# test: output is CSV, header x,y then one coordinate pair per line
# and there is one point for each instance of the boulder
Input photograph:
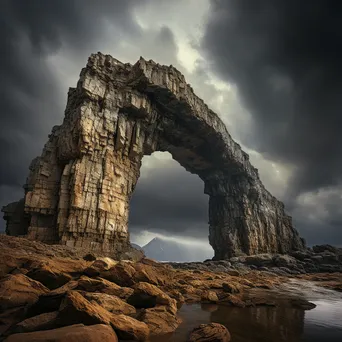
x,y
109,302
209,297
104,286
151,274
281,260
43,321
232,272
50,277
212,332
98,266
230,288
121,274
18,290
51,301
146,295
128,328
73,333
76,309
159,320
10,317
260,260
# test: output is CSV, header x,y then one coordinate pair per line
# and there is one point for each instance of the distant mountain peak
x,y
171,250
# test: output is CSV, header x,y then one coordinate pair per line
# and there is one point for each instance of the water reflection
x,y
271,324
265,324
261,324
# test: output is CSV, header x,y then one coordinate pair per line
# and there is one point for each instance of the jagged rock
x,y
98,266
51,301
74,333
128,328
103,286
78,190
209,297
48,276
18,290
77,309
212,332
45,321
121,274
148,296
159,320
110,303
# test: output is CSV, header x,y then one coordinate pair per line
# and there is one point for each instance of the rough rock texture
x,y
74,333
212,332
27,305
78,190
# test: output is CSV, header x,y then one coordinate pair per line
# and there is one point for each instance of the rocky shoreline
x,y
318,259
56,290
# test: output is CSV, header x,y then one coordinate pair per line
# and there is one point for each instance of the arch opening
x,y
169,211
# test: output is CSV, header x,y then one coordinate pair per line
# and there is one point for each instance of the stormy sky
x,y
271,69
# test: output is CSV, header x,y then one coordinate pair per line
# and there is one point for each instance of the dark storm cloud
x,y
33,99
31,31
170,200
285,57
30,96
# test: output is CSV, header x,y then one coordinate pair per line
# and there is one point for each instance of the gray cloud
x,y
45,46
285,58
32,100
168,199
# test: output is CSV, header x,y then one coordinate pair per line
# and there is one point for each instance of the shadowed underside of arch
x,y
78,191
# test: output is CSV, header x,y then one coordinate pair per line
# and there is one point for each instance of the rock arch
x,y
78,190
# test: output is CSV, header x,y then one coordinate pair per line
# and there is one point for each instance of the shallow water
x,y
271,324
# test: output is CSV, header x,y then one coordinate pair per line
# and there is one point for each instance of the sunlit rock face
x,y
78,190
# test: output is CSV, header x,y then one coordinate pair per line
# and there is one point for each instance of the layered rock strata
x,y
78,190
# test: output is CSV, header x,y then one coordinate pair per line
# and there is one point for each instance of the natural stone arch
x,y
78,191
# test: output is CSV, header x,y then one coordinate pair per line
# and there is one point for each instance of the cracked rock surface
x,y
78,191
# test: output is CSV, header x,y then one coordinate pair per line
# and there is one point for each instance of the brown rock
x,y
103,286
121,274
43,321
175,294
233,273
76,309
51,301
73,333
159,320
231,300
110,303
98,266
51,278
212,332
148,296
230,288
17,290
128,328
209,296
150,274
10,317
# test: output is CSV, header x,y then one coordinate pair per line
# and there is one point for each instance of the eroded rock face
x,y
78,190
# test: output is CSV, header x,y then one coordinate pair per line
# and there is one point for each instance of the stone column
x,y
245,219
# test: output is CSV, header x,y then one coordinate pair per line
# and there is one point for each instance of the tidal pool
x,y
271,324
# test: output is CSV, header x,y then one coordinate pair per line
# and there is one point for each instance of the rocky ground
x,y
57,291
